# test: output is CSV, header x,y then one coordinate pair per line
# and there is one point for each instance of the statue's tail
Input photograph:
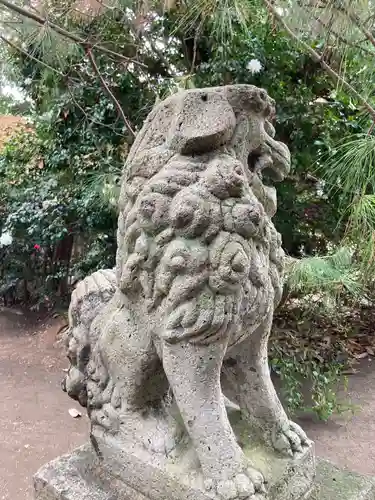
x,y
88,300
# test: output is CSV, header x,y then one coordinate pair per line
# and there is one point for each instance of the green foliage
x,y
6,103
308,385
46,208
325,280
349,173
66,174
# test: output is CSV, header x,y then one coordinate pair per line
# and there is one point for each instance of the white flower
x,y
6,239
28,81
319,100
254,66
320,190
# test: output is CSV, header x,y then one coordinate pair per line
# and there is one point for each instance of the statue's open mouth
x,y
280,161
269,164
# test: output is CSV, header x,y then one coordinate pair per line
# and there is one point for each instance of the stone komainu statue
x,y
198,276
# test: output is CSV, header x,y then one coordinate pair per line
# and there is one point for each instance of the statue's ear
x,y
204,120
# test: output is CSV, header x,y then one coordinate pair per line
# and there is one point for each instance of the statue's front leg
x,y
251,375
194,375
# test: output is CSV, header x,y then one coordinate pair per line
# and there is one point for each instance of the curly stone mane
x,y
194,227
87,300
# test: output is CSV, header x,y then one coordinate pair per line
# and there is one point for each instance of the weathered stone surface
x,y
79,476
181,478
188,310
334,483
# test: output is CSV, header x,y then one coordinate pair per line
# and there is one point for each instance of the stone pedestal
x,y
80,476
179,477
334,483
108,469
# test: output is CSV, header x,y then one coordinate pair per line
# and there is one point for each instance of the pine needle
x,y
350,167
327,278
224,16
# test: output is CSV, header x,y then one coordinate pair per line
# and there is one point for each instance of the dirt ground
x,y
36,426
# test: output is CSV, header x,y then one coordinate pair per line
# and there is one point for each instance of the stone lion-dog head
x,y
194,228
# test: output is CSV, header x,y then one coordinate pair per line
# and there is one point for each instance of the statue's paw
x,y
247,485
289,439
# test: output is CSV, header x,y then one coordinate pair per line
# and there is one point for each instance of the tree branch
x,y
108,91
75,38
319,59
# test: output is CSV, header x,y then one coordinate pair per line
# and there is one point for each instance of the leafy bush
x,y
65,177
321,380
45,215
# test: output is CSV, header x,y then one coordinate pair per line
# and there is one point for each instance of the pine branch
x,y
353,17
319,59
25,53
105,5
350,14
67,34
369,18
108,91
341,38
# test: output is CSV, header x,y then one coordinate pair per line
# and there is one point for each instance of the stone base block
x,y
178,476
181,478
80,476
333,483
